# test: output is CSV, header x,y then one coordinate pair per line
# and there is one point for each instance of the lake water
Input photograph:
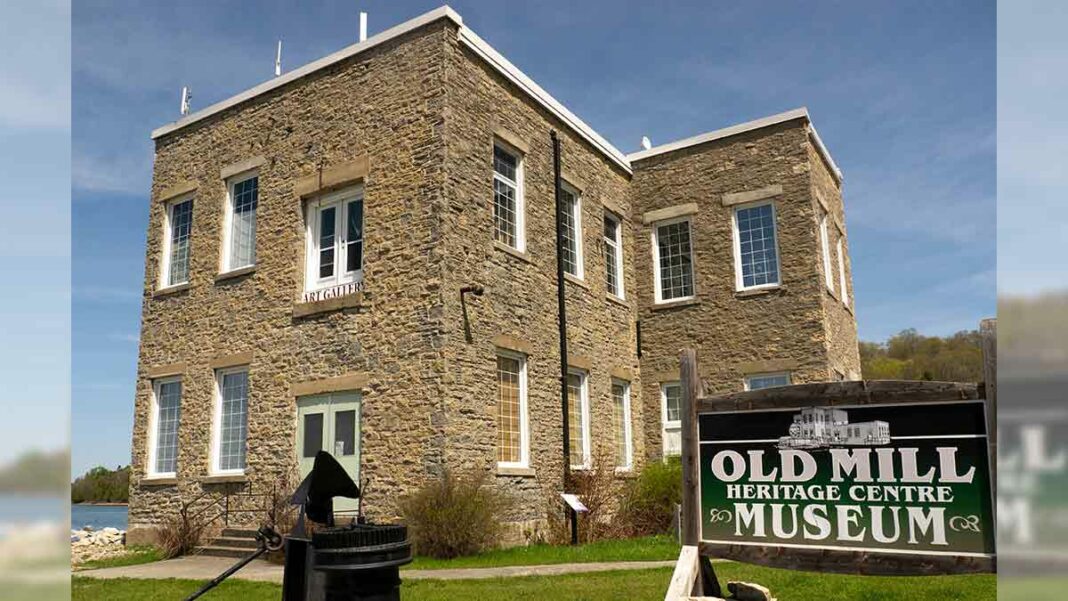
x,y
19,510
98,516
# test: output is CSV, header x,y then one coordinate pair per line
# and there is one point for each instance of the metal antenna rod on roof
x,y
185,100
278,60
363,26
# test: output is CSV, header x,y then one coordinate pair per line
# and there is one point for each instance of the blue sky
x,y
903,94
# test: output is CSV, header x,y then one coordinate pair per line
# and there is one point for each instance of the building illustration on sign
x,y
824,427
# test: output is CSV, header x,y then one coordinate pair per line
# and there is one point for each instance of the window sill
x,y
234,273
304,309
748,292
522,472
224,479
615,299
521,255
576,281
158,481
169,290
674,304
626,474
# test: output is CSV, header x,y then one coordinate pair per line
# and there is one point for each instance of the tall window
x,y
179,222
674,261
335,240
513,446
825,245
578,412
167,406
241,224
621,417
571,220
507,198
231,420
758,381
842,272
756,252
613,255
671,417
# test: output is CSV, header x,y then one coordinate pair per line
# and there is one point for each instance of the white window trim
x,y
628,431
228,220
216,422
520,201
165,259
584,411
666,424
340,198
769,374
658,292
618,255
576,217
739,275
825,244
842,272
153,429
524,421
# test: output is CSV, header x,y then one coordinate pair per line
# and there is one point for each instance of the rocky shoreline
x,y
88,544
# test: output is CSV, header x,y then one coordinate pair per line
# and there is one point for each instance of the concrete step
x,y
219,551
239,532
235,542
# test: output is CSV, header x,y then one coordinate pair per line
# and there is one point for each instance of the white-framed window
x,y
177,227
571,223
756,247
672,260
513,427
843,290
508,211
239,227
334,234
230,431
768,380
624,444
671,417
613,255
578,411
163,427
825,245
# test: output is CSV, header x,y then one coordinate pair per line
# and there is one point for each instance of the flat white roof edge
x,y
740,128
528,85
344,53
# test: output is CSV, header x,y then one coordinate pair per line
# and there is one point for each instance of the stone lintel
x,y
737,198
511,139
162,371
333,177
231,360
579,362
573,180
242,166
179,189
682,210
350,381
622,373
511,343
763,367
304,309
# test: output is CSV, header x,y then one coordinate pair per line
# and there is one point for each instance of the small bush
x,y
455,515
649,503
599,490
181,533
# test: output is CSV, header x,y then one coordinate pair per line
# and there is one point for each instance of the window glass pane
x,y
509,408
504,197
504,164
354,235
345,433
576,417
313,434
243,232
768,381
757,246
327,227
619,401
676,268
826,247
181,222
569,225
169,402
611,255
672,398
233,428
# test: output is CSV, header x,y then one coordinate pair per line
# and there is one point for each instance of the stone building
x,y
359,256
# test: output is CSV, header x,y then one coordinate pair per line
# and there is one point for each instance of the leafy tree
x,y
37,472
909,355
101,485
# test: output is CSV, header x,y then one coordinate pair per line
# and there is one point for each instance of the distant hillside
x,y
37,472
909,355
101,485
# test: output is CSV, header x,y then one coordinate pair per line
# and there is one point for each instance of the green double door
x,y
331,423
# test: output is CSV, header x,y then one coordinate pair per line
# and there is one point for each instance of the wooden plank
x,y
821,394
850,562
685,575
691,502
988,331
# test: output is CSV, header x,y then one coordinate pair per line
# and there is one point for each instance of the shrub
x,y
457,514
181,533
649,503
598,488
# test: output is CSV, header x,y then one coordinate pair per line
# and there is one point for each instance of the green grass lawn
x,y
133,556
602,586
650,548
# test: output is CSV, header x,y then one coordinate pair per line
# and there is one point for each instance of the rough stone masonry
x,y
412,117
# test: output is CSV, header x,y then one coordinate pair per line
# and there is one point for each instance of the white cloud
x,y
124,173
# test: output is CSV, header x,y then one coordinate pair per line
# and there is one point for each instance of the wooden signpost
x,y
863,477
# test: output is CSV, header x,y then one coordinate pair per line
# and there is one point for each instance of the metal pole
x,y
561,309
